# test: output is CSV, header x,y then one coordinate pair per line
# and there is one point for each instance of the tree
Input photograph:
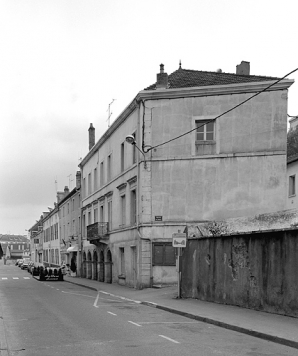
x,y
292,142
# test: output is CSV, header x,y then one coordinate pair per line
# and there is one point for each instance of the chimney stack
x,y
66,191
162,79
243,68
91,136
78,180
60,196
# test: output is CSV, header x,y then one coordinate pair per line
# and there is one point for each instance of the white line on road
x,y
96,300
168,338
169,322
15,277
26,277
112,313
4,277
134,323
84,295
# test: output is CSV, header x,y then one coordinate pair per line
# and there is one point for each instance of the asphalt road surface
x,y
59,318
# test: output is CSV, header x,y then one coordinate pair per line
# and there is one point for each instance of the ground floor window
x,y
164,254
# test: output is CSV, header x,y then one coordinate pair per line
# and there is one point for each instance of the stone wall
x,y
257,270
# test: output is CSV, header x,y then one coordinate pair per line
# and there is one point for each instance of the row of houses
x,y
193,147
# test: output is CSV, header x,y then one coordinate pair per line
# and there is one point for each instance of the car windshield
x,y
26,259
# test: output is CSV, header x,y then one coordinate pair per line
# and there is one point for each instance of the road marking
x,y
26,277
134,323
112,313
168,338
15,277
4,277
84,295
169,322
96,300
58,289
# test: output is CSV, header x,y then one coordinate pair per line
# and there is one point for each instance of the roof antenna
x,y
180,64
110,113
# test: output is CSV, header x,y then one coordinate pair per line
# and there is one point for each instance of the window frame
x,y
292,185
165,258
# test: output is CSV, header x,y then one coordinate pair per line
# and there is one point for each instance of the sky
x,y
62,62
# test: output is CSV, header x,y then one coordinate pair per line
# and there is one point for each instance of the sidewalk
x,y
271,327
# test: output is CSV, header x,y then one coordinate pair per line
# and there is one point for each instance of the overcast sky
x,y
63,61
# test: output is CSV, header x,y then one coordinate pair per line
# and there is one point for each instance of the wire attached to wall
x,y
233,108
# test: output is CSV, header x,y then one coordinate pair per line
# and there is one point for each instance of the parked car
x,y
20,263
30,264
17,262
25,263
50,273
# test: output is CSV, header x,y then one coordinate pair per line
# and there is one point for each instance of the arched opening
x,y
89,265
101,267
109,267
84,274
95,266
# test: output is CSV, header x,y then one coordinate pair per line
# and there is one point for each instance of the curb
x,y
258,334
3,342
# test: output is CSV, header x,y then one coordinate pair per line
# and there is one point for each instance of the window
x,y
122,157
102,215
205,131
122,261
109,168
89,183
79,224
292,188
133,207
84,225
123,209
110,214
95,215
89,217
101,174
73,204
163,254
95,179
84,188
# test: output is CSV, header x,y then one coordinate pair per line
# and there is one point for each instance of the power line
x,y
233,108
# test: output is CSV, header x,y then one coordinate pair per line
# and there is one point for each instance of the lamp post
x,y
130,139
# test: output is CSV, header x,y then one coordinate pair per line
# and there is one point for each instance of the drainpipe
x,y
139,189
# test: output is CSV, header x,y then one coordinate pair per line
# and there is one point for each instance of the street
x,y
60,318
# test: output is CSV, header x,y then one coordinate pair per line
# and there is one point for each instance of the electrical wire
x,y
233,108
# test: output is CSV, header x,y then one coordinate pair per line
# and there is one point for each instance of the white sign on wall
x,y
179,240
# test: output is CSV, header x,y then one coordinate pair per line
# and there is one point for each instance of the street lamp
x,y
130,139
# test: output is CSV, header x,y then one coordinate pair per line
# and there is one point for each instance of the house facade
x,y
70,224
187,163
51,241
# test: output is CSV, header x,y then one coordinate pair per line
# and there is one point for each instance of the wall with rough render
x,y
245,174
257,271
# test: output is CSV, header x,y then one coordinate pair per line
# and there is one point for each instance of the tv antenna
x,y
56,184
69,180
110,113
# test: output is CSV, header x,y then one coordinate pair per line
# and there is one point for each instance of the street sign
x,y
179,240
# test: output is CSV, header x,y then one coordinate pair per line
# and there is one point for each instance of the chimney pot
x,y
243,68
162,79
91,136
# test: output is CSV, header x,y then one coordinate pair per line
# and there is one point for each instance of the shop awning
x,y
74,248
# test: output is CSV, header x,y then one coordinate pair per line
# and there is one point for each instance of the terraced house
x,y
192,147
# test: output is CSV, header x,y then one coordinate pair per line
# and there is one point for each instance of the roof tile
x,y
184,78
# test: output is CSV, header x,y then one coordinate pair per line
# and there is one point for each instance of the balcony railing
x,y
98,231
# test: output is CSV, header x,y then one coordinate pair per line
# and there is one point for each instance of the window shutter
x,y
158,254
170,258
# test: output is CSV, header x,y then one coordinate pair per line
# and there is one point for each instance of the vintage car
x,y
48,272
